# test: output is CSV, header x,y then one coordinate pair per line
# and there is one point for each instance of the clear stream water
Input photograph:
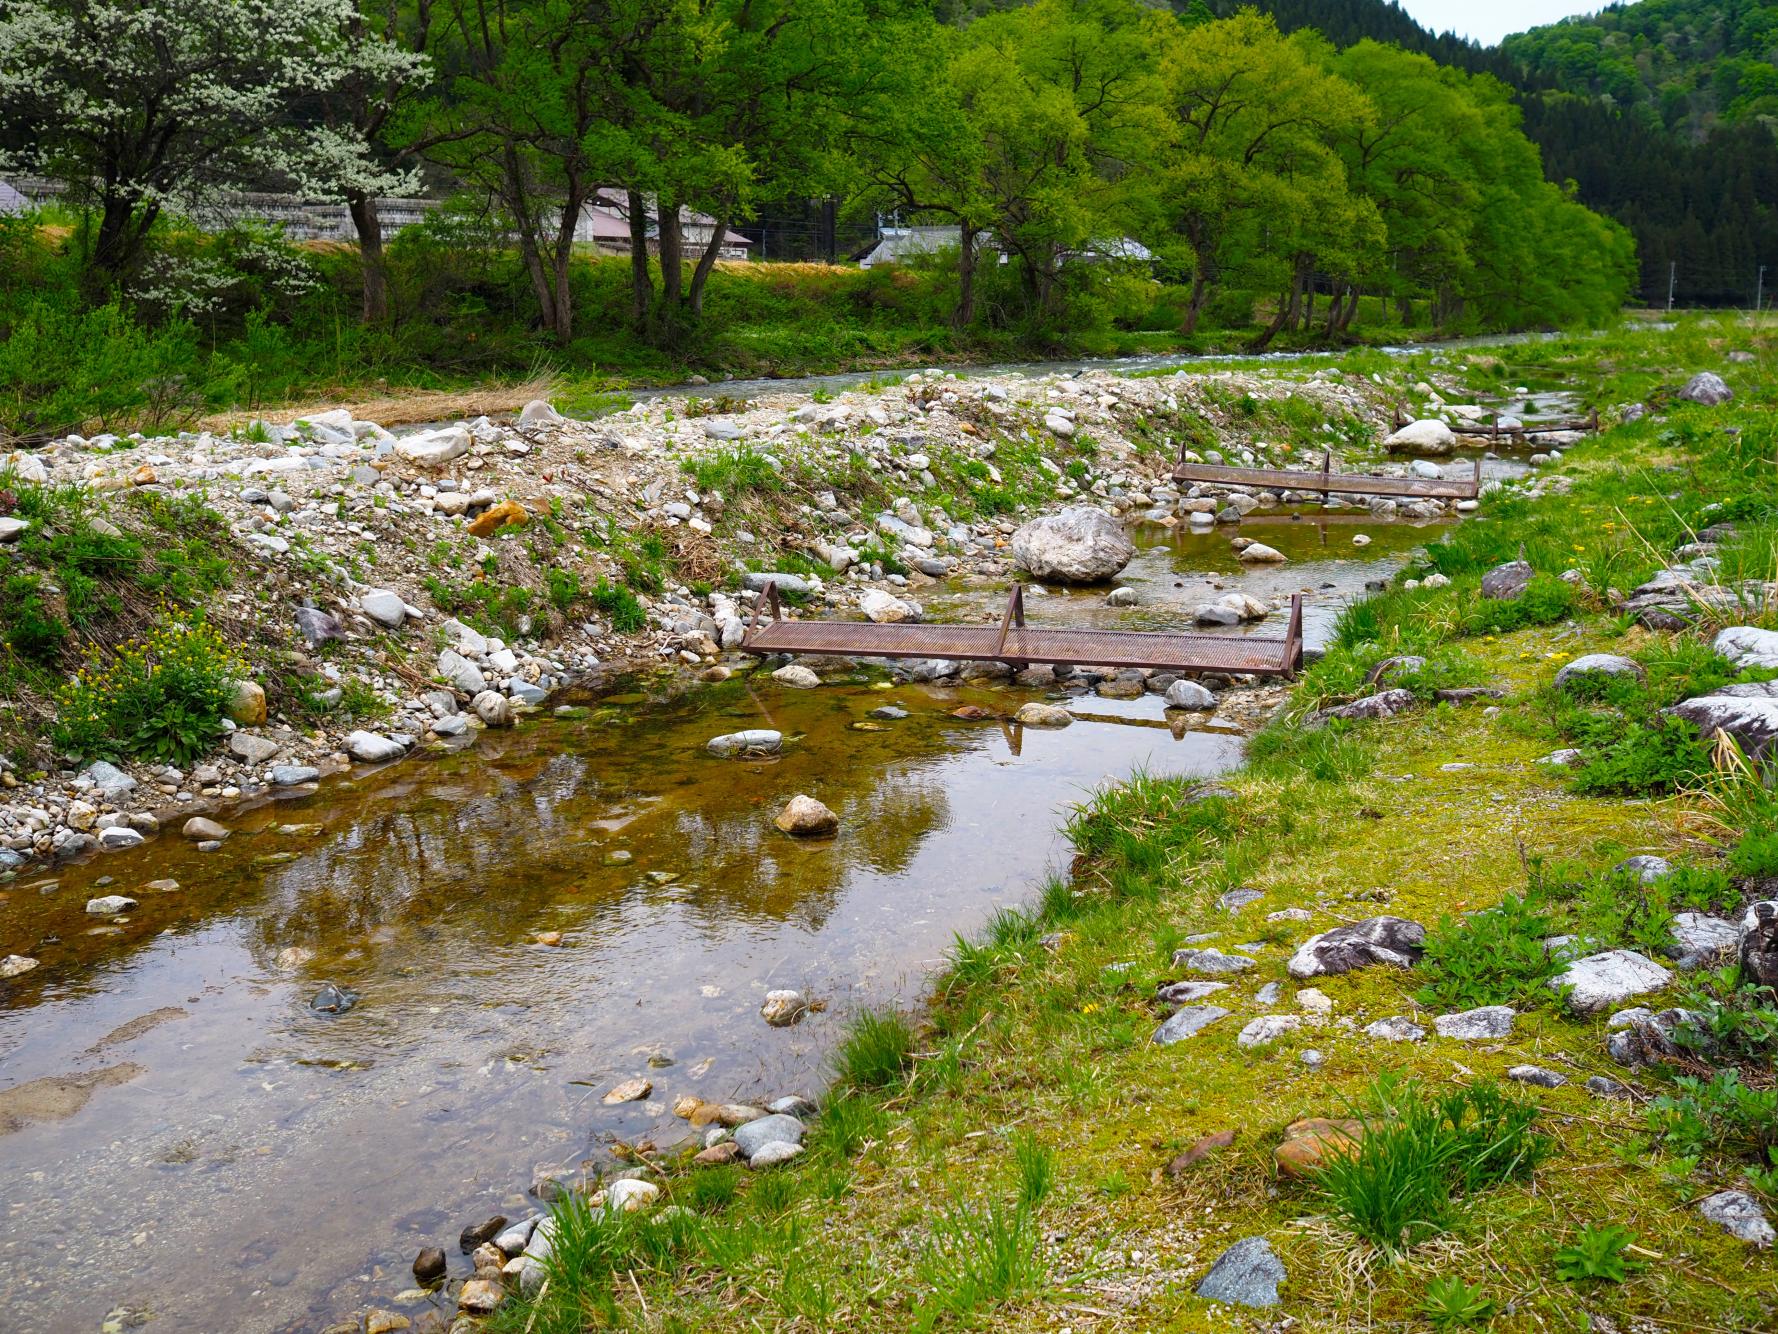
x,y
182,1137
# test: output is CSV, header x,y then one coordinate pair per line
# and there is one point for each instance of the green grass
x,y
877,1051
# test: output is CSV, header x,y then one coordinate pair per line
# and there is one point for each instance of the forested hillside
x,y
1684,65
1662,113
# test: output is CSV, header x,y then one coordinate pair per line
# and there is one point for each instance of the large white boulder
x,y
1079,545
1748,646
1430,437
434,449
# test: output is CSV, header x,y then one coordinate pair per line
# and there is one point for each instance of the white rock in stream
x,y
758,741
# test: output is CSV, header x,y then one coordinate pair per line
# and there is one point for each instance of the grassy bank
x,y
1011,1158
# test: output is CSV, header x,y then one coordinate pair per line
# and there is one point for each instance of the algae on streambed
x,y
260,1166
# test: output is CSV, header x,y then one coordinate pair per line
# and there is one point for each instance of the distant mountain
x,y
1685,66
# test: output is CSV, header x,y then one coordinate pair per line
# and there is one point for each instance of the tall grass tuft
x,y
1035,1166
978,1257
877,1051
1420,1152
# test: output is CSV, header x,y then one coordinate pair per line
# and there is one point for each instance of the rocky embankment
x,y
382,567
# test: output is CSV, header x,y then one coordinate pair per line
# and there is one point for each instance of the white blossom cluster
x,y
164,102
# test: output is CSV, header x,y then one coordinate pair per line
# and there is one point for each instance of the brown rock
x,y
246,707
804,817
144,476
1310,1143
631,1090
971,713
385,1322
717,1155
201,830
1198,1152
507,514
475,1236
429,1266
551,938
687,1105
480,1296
732,1114
488,1260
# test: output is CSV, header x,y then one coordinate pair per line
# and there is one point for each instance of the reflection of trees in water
x,y
740,864
483,856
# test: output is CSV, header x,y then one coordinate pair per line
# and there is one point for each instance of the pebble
x,y
1034,714
804,817
631,1090
109,905
784,1008
1536,1074
16,965
774,1129
202,830
471,1237
1247,1274
1395,1029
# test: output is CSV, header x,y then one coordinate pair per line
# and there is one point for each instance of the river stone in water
x,y
1376,940
1258,553
1601,981
774,1129
1043,715
1080,545
493,708
16,965
1247,1274
758,741
796,677
783,1008
372,748
110,905
201,830
804,817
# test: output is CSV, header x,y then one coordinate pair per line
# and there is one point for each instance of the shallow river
x,y
182,1136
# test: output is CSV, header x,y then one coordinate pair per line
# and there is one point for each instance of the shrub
x,y
1495,957
1719,1114
1419,1152
1756,855
1639,759
161,697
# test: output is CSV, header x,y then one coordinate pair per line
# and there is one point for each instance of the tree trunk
x,y
369,225
641,284
1308,306
118,250
706,261
672,257
964,315
1199,299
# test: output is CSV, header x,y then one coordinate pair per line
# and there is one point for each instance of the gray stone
x,y
109,905
1122,597
1034,714
775,1154
371,748
1707,388
1536,1074
1598,664
1562,759
1646,869
493,708
1267,1029
1759,944
1187,993
1601,1087
1488,1023
1427,437
434,449
539,412
1236,899
1247,1274
758,741
1376,940
1388,670
1747,646
793,584
251,748
111,781
1082,545
334,999
1258,553
294,775
452,724
1216,614
796,677
118,838
317,627
792,1105
16,965
1211,961
1601,981
1398,1028
1190,695
774,1129
1746,714
783,1008
1699,939
525,693
1183,1023
11,528
1506,583
1384,704
461,672
1740,1215
385,607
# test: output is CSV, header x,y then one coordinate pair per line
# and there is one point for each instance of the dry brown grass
x,y
407,407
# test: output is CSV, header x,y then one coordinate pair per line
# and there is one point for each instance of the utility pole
x,y
1672,284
